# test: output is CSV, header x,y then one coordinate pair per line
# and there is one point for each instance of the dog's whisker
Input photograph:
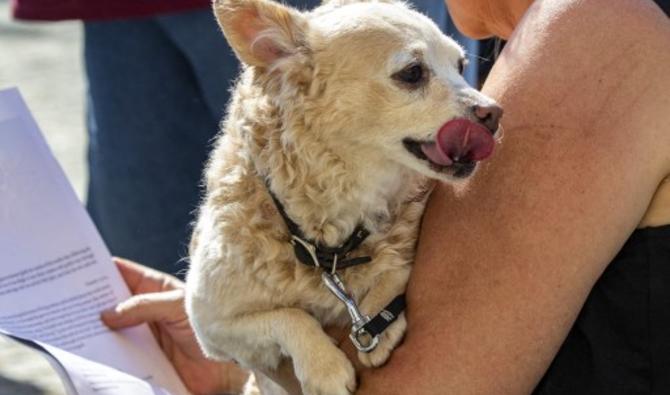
x,y
477,57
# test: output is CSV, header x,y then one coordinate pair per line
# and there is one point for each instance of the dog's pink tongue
x,y
460,140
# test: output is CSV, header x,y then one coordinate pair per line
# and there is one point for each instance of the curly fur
x,y
316,116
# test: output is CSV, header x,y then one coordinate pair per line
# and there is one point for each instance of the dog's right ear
x,y
261,32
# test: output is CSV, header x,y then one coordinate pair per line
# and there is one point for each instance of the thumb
x,y
149,307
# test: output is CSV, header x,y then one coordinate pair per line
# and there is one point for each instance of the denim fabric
x,y
157,88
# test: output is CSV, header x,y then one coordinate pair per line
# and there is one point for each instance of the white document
x,y
56,275
84,377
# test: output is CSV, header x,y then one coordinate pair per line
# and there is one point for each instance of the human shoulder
x,y
595,67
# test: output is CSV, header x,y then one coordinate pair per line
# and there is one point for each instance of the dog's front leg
x,y
321,367
388,286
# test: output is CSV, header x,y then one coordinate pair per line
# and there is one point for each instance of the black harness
x,y
365,331
314,254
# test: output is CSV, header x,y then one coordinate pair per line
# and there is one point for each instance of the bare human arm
x,y
503,270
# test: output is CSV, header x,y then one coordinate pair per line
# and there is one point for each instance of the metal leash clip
x,y
363,341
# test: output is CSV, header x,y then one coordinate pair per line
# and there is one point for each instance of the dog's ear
x,y
261,32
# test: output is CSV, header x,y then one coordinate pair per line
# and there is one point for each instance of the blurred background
x,y
44,61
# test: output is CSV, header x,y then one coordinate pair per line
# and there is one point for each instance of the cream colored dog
x,y
344,114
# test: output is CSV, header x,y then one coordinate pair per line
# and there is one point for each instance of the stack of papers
x,y
56,275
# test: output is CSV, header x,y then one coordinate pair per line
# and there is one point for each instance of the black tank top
x,y
620,343
665,5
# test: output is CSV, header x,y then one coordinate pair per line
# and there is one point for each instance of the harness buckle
x,y
360,337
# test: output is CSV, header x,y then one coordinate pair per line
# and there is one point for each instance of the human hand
x,y
158,299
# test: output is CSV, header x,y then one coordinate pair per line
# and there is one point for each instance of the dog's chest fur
x,y
242,260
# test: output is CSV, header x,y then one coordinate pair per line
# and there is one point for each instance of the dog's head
x,y
375,81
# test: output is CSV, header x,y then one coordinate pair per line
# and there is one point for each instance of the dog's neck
x,y
326,194
329,199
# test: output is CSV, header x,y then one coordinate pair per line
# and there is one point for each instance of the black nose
x,y
489,115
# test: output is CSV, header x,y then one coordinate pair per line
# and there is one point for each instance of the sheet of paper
x,y
56,274
83,377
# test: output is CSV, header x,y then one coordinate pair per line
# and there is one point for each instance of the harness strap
x,y
312,253
330,259
378,324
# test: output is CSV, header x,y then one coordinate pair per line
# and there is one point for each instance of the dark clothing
x,y
620,343
53,10
665,6
157,89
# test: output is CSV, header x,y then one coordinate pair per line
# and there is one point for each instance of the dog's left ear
x,y
261,32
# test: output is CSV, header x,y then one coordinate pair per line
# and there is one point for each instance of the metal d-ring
x,y
361,336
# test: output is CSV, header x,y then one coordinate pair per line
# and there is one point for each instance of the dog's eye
x,y
462,62
412,74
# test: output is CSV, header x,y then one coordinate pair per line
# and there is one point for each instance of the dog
x,y
342,119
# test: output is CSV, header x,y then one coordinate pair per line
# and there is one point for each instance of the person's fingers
x,y
131,272
149,307
138,276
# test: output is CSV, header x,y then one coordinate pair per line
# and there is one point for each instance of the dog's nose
x,y
489,115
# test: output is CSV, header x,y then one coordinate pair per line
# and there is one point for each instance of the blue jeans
x,y
157,89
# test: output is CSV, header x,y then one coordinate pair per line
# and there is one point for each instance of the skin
x,y
503,268
485,18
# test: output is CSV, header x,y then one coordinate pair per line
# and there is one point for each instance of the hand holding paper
x,y
56,274
159,301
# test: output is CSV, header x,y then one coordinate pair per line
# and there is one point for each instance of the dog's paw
x,y
328,374
388,340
